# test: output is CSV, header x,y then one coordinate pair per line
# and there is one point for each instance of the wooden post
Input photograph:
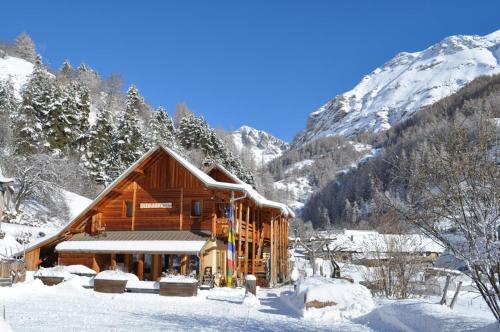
x,y
127,261
181,209
140,267
456,295
240,222
184,264
247,223
134,202
253,241
214,224
113,262
95,266
443,299
271,260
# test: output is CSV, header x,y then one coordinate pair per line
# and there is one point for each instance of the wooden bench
x,y
178,288
109,286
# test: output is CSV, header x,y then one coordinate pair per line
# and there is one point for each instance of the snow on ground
x,y
33,306
9,245
297,189
16,69
299,165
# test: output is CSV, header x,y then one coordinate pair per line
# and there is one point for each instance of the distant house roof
x,y
373,241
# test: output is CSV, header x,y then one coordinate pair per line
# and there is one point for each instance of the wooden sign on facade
x,y
166,205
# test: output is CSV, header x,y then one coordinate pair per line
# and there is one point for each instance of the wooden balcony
x,y
222,228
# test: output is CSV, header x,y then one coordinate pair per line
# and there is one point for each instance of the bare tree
x,y
398,262
453,196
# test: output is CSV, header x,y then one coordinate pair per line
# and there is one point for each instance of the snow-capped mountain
x,y
405,84
16,69
263,146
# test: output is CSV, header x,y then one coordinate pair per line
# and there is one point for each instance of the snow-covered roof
x,y
148,246
372,241
252,193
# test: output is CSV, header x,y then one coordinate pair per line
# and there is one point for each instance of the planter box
x,y
50,281
109,286
178,288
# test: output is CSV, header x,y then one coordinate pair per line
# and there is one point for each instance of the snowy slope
x,y
403,85
16,69
264,147
9,245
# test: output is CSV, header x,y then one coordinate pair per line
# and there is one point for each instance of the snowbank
x,y
79,269
116,275
4,326
64,271
58,271
251,300
343,299
179,279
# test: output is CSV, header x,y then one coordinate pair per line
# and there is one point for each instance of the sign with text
x,y
166,205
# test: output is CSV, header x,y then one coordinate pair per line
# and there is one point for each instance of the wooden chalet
x,y
165,215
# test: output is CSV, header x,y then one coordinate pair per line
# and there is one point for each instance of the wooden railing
x,y
222,228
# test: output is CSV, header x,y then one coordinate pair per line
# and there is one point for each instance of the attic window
x,y
128,208
196,209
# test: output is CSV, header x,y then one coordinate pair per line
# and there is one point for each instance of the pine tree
x,y
194,133
129,143
65,74
39,98
161,130
25,47
8,108
97,154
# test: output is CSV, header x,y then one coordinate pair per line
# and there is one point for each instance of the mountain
x,y
263,146
403,85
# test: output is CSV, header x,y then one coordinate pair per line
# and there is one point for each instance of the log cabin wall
x,y
163,181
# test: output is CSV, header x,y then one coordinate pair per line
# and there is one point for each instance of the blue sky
x,y
267,64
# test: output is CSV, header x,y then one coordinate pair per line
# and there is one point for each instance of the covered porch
x,y
147,254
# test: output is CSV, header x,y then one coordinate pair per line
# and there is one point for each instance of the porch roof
x,y
149,242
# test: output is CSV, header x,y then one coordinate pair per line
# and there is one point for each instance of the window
x,y
128,207
196,209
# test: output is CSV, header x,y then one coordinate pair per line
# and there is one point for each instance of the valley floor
x,y
68,307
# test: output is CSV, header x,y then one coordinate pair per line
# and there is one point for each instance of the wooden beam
x,y
140,267
247,224
113,262
134,203
272,249
240,222
181,213
118,191
254,239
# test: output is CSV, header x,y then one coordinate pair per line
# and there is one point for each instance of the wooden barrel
x,y
109,286
178,288
50,281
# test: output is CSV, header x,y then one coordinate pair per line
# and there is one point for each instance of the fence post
x,y
456,295
443,299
